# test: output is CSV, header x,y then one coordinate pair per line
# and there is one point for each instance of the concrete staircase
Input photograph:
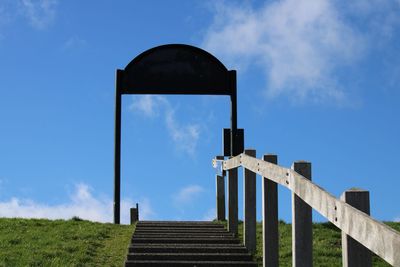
x,y
160,243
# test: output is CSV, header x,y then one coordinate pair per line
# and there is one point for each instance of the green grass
x,y
327,249
34,242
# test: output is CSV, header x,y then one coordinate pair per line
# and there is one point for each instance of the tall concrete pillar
x,y
233,201
355,254
249,206
301,223
220,190
270,218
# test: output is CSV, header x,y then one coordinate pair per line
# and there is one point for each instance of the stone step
x,y
187,248
191,256
208,226
178,222
180,230
196,234
185,243
141,224
186,240
189,263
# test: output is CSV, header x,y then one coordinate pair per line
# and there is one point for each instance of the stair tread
x,y
184,238
185,243
146,229
181,222
190,262
225,235
186,254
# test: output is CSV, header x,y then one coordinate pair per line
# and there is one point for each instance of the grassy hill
x,y
33,242
74,242
327,249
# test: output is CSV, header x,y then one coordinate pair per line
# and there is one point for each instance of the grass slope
x,y
34,242
327,249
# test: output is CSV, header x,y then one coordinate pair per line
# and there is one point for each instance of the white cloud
x,y
185,136
40,13
187,195
298,44
82,204
149,105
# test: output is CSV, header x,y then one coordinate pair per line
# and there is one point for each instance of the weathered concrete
x,y
135,214
301,223
249,206
355,254
220,190
233,201
376,236
270,218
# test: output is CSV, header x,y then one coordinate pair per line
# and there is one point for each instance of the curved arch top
x,y
175,69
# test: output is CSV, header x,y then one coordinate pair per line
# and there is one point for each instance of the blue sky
x,y
317,80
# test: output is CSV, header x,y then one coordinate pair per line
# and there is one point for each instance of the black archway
x,y
171,69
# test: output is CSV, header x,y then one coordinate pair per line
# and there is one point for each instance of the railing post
x,y
220,193
220,190
355,254
270,218
301,223
249,206
233,201
135,214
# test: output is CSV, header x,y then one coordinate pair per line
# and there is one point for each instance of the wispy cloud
x,y
40,13
149,105
378,18
185,136
298,44
74,42
82,203
187,195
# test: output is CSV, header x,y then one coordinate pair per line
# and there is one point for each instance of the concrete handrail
x,y
374,235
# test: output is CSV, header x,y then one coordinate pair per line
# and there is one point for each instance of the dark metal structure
x,y
172,69
226,141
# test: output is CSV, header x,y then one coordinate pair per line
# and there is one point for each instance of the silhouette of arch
x,y
171,69
175,69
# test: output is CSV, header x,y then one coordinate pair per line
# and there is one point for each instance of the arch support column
x,y
117,150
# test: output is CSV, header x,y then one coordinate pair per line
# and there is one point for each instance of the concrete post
x,y
270,218
233,201
220,190
135,214
355,254
249,206
301,223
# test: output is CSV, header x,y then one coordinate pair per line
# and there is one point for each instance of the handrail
x,y
376,236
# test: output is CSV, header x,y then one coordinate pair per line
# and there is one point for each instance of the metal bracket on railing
x,y
217,164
